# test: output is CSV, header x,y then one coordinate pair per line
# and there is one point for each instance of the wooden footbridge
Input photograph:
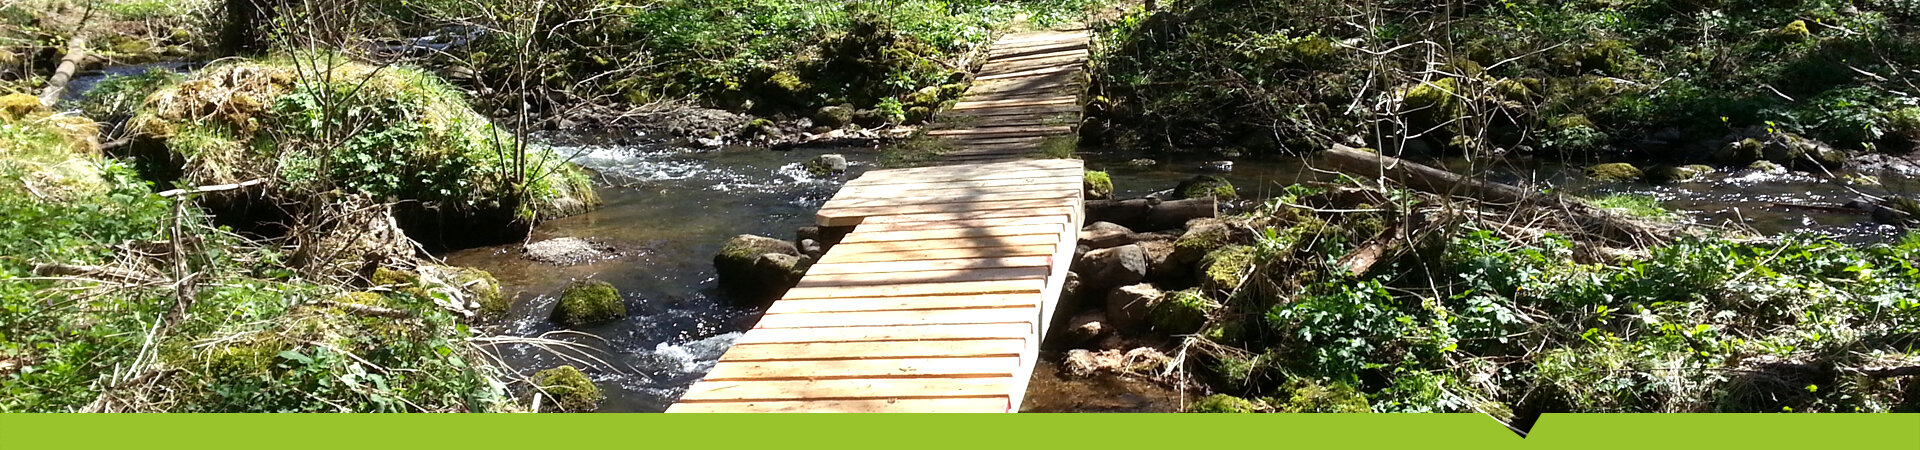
x,y
938,299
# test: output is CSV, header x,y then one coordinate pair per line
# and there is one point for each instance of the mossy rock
x,y
1098,185
1204,186
588,302
1433,103
1514,91
1794,31
567,389
1199,240
1741,152
16,106
475,285
1223,403
1678,174
1306,396
1182,312
833,116
1615,172
929,96
1224,270
759,128
1767,167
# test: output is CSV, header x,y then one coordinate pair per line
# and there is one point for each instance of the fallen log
x,y
1589,218
102,273
1143,214
76,51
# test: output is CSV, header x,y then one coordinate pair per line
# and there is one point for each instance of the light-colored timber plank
x,y
889,332
994,366
819,351
953,233
947,224
990,158
1060,54
921,289
1014,130
881,183
1062,100
1002,68
1028,73
1017,111
1040,36
987,168
854,216
930,276
963,176
1016,51
862,202
895,254
970,215
939,189
928,245
990,404
903,303
848,389
1028,314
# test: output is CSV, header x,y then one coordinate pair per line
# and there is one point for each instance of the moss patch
x,y
1222,403
1616,172
588,302
1098,185
567,389
1182,312
1225,269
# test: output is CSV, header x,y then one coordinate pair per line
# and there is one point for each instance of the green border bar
x,y
1156,431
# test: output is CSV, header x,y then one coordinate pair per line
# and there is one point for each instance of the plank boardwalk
x,y
938,299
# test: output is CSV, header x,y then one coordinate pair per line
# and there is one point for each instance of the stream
x,y
668,210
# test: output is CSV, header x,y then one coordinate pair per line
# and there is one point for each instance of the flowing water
x,y
668,211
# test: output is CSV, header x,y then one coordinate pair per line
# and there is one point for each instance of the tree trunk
x,y
242,34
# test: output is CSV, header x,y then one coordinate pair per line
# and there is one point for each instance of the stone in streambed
x,y
1128,307
588,302
757,267
1106,268
827,165
566,251
1615,172
1105,235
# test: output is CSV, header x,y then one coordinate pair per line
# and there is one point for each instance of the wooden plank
x,y
1040,36
1035,48
990,404
995,366
942,189
1006,130
1027,314
1062,100
1028,73
947,224
942,302
930,276
1018,111
1062,54
881,183
816,351
973,197
970,215
921,289
988,168
1001,68
966,175
949,244
889,332
854,216
954,233
848,389
942,253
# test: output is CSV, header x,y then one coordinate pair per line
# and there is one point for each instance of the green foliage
x,y
1181,312
1098,184
1305,396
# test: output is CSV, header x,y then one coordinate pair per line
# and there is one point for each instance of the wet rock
x,y
1678,174
1160,266
1740,152
812,249
588,302
1105,235
1767,167
780,271
1885,164
834,116
567,251
1217,166
827,165
1616,172
1084,328
742,270
1143,162
1109,267
1128,307
1139,361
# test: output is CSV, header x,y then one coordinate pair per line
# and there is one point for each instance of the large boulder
x,y
827,165
1202,237
1615,172
1182,312
1109,267
1224,270
758,267
591,302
